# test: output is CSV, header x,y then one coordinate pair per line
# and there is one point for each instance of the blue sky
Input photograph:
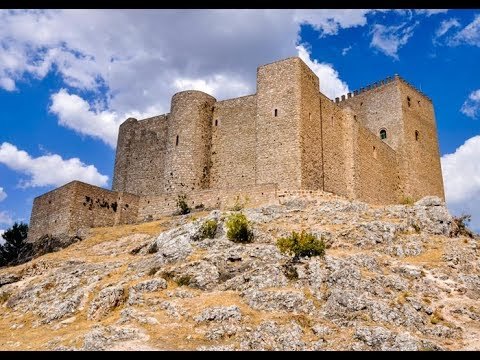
x,y
69,78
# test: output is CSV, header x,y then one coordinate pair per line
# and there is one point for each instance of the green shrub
x,y
238,228
407,200
208,229
184,280
239,205
182,205
460,227
290,271
300,245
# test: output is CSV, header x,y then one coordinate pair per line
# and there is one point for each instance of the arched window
x,y
417,135
383,134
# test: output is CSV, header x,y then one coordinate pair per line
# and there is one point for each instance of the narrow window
x,y
383,134
417,135
275,112
176,141
216,122
408,101
355,117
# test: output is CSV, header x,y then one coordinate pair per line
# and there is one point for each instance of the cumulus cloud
x,y
3,194
5,218
330,83
144,56
461,177
48,169
389,39
469,35
471,106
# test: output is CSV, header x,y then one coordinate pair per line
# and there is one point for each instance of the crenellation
x,y
377,143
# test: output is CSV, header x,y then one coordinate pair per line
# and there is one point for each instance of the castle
x,y
378,145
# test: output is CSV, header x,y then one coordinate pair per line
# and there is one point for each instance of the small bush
x,y
417,228
460,226
184,280
238,228
407,200
4,296
208,229
239,205
182,205
436,317
301,245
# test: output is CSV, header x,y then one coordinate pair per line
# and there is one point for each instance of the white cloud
x,y
389,39
471,106
48,169
461,177
2,240
3,194
445,26
118,62
5,218
346,50
329,21
430,12
330,83
469,35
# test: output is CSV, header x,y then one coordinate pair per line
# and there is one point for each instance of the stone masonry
x,y
378,144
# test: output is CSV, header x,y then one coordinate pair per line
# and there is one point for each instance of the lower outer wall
x,y
153,207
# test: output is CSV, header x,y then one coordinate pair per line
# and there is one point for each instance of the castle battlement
x,y
377,84
378,144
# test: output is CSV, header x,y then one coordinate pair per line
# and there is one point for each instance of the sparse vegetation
x,y
461,228
238,204
436,317
4,296
239,228
208,229
301,245
184,280
182,205
416,227
407,200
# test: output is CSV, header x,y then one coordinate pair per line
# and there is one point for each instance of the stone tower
x,y
288,125
188,142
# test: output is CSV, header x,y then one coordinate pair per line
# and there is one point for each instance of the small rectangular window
x,y
176,141
275,112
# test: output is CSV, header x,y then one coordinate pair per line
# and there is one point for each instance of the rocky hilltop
x,y
392,278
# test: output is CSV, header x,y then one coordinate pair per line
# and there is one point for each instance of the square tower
x,y
288,127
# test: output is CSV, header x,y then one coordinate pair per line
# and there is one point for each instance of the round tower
x,y
120,171
187,166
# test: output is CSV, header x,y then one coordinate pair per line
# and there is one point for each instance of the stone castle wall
x,y
233,143
77,205
287,135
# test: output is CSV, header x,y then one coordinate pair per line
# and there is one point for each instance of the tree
x,y
14,242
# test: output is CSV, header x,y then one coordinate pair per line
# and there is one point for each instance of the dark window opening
x,y
408,101
417,135
275,113
383,134
355,117
361,103
216,122
176,141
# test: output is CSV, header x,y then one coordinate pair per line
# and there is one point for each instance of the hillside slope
x,y
391,279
